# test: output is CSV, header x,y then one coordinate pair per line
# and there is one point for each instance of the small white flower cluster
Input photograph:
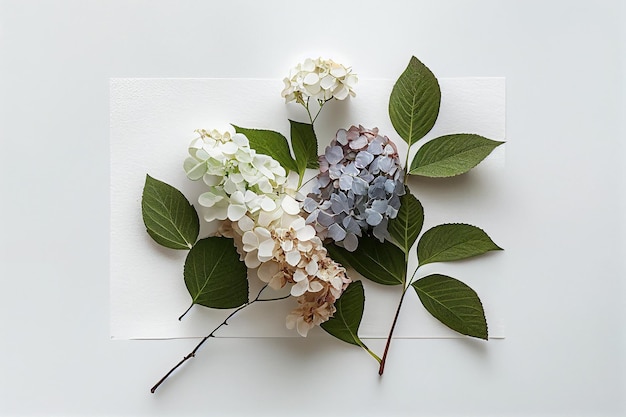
x,y
248,192
321,79
239,179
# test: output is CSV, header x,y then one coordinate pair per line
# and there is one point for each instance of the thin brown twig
x,y
212,334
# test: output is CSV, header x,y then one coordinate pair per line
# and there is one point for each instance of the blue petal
x,y
345,182
334,154
363,159
380,232
336,232
350,242
373,217
359,186
380,206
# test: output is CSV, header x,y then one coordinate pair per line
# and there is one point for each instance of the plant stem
x,y
381,369
306,106
210,335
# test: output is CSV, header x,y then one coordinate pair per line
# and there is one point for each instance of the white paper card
x,y
152,123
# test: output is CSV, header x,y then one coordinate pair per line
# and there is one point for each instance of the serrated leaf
x,y
376,261
168,216
451,242
453,303
414,102
407,225
451,155
214,275
344,324
268,142
304,144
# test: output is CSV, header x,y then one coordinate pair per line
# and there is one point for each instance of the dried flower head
x,y
358,187
320,79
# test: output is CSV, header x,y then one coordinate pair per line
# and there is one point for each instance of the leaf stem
x,y
185,313
212,334
381,369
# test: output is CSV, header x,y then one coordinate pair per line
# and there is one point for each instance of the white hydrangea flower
x,y
320,79
239,179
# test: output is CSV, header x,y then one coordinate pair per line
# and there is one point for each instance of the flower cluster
x,y
239,180
247,191
358,187
321,79
287,251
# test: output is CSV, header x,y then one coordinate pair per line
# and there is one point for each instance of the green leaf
x,y
304,144
453,303
214,275
451,242
169,218
344,324
376,261
407,225
414,102
268,142
451,155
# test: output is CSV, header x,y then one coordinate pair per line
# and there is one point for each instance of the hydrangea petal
x,y
290,205
351,242
306,233
293,257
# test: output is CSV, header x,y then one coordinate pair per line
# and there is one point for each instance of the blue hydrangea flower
x,y
358,188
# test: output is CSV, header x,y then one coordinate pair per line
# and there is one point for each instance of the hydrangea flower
x,y
320,79
287,251
358,187
239,180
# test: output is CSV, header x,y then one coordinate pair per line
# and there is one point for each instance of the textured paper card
x,y
152,123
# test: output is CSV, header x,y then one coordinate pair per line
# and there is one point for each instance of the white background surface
x,y
565,346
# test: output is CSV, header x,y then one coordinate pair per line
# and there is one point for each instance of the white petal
x,y
311,78
298,223
229,148
246,224
236,212
303,327
306,233
327,82
252,260
240,139
293,257
299,275
266,249
262,233
212,179
267,271
341,92
290,322
287,245
290,205
338,71
268,204
300,288
209,199
237,197
250,241
195,169
315,286
311,268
